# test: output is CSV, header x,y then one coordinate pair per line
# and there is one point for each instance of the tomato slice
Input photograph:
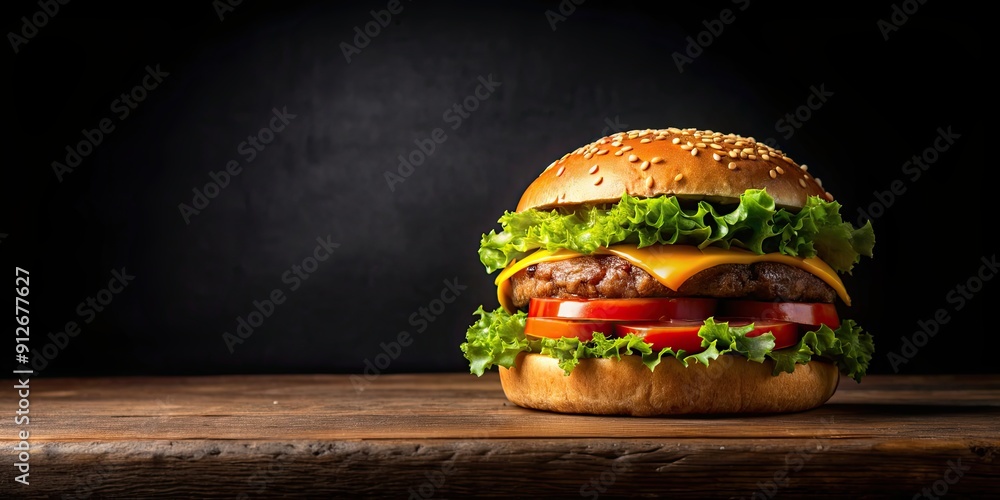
x,y
648,309
675,334
786,334
803,313
683,334
558,328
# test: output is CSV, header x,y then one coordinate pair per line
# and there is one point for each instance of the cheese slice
x,y
672,265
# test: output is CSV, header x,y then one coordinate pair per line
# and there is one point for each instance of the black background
x,y
604,64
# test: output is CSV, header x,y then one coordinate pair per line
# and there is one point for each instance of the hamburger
x,y
672,271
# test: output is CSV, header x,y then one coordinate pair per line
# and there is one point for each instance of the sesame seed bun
x,y
688,163
728,385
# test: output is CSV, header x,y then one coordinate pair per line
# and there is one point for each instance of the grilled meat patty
x,y
609,276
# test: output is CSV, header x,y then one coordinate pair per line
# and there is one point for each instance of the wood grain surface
x,y
456,436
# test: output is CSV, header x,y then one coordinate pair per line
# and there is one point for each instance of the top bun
x,y
691,164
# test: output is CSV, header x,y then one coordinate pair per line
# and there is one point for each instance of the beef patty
x,y
609,276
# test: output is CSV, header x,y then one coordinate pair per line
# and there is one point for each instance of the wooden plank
x,y
685,468
461,406
455,435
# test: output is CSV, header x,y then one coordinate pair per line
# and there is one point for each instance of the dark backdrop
x,y
563,80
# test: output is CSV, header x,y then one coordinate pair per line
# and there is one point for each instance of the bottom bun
x,y
729,384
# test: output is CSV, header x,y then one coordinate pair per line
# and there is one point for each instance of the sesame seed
x,y
588,156
616,144
752,157
804,167
733,153
694,152
732,165
765,157
701,145
829,196
743,154
789,160
716,157
602,152
644,133
728,141
686,147
780,170
661,137
560,171
715,146
676,140
646,140
748,150
598,180
802,182
649,182
656,159
593,149
678,177
551,165
806,176
633,158
619,152
644,165
772,173
593,169
819,182
627,148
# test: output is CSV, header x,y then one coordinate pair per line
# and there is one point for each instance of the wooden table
x,y
456,436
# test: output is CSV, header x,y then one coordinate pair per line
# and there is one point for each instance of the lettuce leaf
x,y
498,337
754,224
848,346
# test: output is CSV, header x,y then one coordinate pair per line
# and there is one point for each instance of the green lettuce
x,y
755,224
848,346
498,337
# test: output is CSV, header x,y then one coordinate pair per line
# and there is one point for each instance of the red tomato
x,y
683,334
803,313
786,334
676,334
650,309
558,328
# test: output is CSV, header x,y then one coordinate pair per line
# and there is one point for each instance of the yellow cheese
x,y
672,265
